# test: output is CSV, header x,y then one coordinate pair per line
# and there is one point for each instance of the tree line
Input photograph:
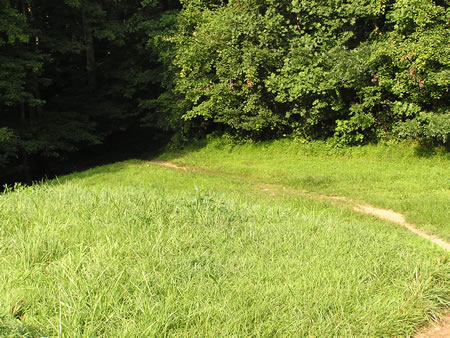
x,y
78,73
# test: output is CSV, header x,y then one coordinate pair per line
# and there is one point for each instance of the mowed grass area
x,y
402,177
133,249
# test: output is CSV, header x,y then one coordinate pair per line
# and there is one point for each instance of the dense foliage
x,y
76,72
358,70
72,74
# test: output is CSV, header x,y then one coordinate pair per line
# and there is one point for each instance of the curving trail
x,y
384,214
395,217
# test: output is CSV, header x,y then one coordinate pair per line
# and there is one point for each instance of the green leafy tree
x,y
21,65
352,69
265,68
411,70
73,73
224,54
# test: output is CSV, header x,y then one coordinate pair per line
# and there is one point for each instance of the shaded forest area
x,y
119,77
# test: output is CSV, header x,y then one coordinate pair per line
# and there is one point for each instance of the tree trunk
x,y
90,49
26,171
37,94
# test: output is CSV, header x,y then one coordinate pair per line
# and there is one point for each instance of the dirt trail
x,y
395,217
440,329
172,165
384,214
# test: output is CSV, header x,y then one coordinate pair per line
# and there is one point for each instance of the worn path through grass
x,y
388,177
384,214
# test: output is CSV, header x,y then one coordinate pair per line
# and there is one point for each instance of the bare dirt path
x,y
172,165
440,329
395,217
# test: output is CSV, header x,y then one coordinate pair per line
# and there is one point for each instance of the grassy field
x,y
135,249
400,177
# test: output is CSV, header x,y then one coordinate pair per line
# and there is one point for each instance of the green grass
x,y
133,249
397,177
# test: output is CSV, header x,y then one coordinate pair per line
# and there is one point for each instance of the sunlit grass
x,y
134,249
398,177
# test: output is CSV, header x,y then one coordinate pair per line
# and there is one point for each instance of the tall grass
x,y
136,250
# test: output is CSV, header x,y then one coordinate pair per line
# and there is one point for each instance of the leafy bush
x,y
427,127
355,130
224,54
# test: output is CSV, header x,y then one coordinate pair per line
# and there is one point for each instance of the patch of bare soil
x,y
440,329
171,165
395,217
